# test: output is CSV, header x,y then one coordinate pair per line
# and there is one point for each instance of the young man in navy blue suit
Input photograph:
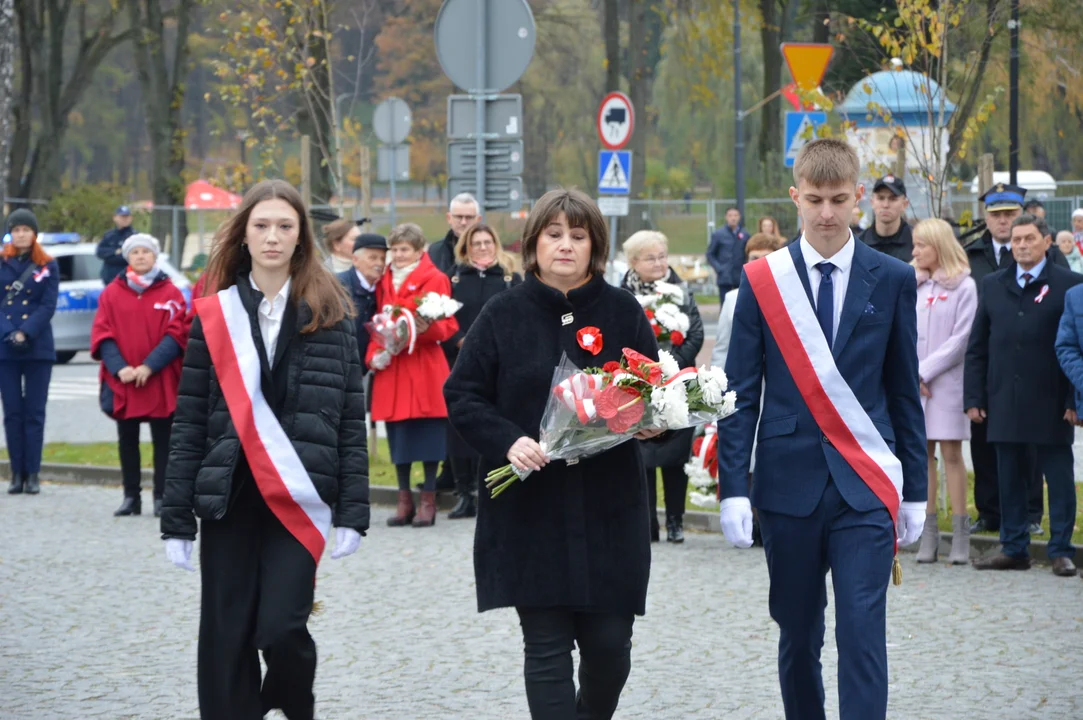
x,y
827,328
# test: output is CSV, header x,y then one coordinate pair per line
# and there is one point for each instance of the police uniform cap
x,y
892,183
370,240
1003,196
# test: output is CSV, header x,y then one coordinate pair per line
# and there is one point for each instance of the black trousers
x,y
986,484
130,459
258,585
466,471
674,491
605,658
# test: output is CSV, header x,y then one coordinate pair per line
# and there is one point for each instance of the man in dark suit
x,y
726,251
1014,385
988,254
463,211
827,327
889,232
369,262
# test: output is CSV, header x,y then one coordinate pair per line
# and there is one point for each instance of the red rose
x,y
650,314
590,339
676,337
611,367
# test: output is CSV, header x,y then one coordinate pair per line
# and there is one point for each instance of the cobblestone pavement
x,y
95,624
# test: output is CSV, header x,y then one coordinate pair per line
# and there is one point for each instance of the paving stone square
x,y
94,623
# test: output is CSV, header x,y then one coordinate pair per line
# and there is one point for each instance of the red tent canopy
x,y
201,195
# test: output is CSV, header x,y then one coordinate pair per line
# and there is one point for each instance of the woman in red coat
x,y
139,334
408,389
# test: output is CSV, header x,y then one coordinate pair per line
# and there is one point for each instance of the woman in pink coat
x,y
947,301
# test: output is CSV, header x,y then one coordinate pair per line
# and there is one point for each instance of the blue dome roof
x,y
908,95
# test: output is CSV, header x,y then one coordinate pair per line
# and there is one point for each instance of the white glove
x,y
910,523
347,540
381,360
735,514
179,552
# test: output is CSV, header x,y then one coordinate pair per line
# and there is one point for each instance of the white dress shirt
x,y
270,314
364,283
1034,273
1000,248
843,260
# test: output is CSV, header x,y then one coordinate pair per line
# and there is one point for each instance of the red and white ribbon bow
x,y
933,298
1042,293
577,394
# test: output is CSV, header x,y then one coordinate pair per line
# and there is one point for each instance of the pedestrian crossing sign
x,y
800,129
614,172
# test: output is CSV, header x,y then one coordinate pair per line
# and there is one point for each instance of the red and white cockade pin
x,y
933,298
1042,293
590,339
41,274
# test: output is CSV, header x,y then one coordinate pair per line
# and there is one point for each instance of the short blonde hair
x,y
825,162
937,234
639,241
408,233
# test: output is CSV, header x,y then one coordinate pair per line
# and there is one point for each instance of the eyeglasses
x,y
464,218
652,259
482,243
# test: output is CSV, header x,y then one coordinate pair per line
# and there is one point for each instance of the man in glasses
x,y
462,213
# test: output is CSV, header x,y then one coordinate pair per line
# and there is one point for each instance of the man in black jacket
x,y
988,254
889,232
369,262
113,263
463,211
1014,385
726,252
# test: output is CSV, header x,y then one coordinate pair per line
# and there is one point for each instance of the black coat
x,y
316,393
983,261
1011,369
108,251
473,288
364,301
571,536
673,449
442,252
900,245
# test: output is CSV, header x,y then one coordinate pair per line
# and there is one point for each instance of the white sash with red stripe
x,y
793,323
281,478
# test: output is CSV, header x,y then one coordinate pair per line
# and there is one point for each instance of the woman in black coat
x,y
268,448
482,271
647,252
569,548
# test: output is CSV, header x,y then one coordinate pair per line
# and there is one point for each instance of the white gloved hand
x,y
735,514
347,540
910,523
381,360
179,552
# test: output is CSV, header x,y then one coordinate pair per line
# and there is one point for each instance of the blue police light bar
x,y
58,238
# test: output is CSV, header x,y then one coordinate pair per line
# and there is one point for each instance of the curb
x,y
67,474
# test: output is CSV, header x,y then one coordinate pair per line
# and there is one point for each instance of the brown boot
x,y
404,512
426,514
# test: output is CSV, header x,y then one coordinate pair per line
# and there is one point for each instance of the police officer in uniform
x,y
889,232
109,247
30,279
988,254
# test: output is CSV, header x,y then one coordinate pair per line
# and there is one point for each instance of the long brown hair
x,y
309,279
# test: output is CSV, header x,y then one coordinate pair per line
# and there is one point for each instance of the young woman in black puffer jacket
x,y
268,449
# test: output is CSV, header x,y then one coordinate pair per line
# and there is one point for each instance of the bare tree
x,y
8,48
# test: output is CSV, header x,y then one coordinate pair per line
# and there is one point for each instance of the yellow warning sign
x,y
807,62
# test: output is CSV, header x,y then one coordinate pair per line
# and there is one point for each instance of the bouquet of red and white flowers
x,y
394,328
593,410
702,468
663,308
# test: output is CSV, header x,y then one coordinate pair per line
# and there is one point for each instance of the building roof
x,y
908,95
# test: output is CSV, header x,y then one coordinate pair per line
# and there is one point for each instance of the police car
x,y
80,286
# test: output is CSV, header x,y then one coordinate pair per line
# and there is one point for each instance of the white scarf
x,y
399,275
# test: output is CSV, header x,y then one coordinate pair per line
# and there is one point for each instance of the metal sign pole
x,y
391,164
479,100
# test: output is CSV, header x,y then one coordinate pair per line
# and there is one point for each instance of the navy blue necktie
x,y
825,300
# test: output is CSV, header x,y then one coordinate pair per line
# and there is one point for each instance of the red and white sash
x,y
793,323
281,478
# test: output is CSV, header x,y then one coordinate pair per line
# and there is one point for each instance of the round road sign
x,y
616,120
391,121
506,38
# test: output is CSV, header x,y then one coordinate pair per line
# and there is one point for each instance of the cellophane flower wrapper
x,y
389,331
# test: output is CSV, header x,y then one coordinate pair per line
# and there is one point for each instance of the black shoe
x,y
130,506
1035,528
674,530
16,486
984,525
157,507
33,486
467,507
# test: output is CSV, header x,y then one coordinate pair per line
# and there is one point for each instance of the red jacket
x,y
137,324
412,386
